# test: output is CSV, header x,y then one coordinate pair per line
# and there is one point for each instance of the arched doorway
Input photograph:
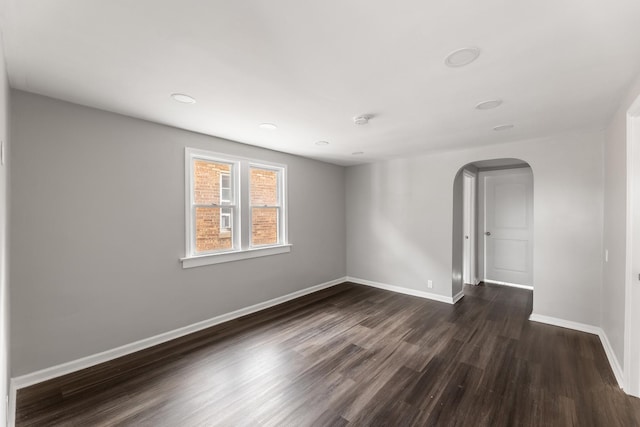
x,y
493,224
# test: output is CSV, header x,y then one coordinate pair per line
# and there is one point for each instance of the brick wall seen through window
x,y
206,191
264,206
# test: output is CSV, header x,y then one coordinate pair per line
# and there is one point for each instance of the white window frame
x,y
234,203
241,217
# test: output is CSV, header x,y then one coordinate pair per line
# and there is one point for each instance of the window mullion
x,y
245,214
279,225
192,239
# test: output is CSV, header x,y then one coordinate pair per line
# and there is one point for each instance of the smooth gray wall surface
x,y
399,220
615,227
98,229
4,241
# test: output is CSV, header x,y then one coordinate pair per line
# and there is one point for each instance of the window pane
x,y
264,226
209,235
206,182
264,187
225,219
225,188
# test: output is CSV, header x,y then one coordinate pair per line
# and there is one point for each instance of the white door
x,y
507,226
468,232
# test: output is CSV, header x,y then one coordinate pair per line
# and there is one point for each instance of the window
x,y
212,205
225,198
235,208
265,205
225,187
225,220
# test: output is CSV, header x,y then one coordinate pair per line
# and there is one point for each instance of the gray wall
x,y
4,229
399,220
98,227
615,214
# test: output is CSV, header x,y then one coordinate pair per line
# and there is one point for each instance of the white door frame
x,y
469,218
632,272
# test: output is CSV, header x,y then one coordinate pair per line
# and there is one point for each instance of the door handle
x,y
487,233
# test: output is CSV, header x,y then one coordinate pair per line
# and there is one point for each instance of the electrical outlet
x,y
430,284
606,255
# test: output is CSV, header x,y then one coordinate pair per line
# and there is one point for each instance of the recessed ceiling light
x,y
322,143
488,105
185,99
267,126
462,57
503,127
358,153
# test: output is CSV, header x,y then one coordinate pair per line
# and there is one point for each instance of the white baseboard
x,y
613,360
401,290
457,297
512,285
582,327
576,326
86,362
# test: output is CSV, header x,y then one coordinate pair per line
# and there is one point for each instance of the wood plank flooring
x,y
357,356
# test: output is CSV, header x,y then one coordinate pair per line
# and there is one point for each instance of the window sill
x,y
200,260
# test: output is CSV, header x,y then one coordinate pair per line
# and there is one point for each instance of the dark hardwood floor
x,y
353,355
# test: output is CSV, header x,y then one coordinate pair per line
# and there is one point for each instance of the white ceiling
x,y
310,67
